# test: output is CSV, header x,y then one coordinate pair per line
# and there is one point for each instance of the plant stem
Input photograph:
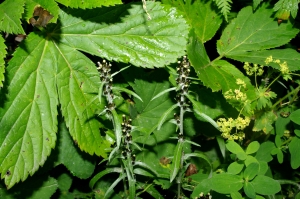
x,y
286,96
289,182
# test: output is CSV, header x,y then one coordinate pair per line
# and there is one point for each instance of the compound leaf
x,y
128,36
240,36
2,56
10,14
88,4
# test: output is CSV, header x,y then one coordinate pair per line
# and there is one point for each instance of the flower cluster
x,y
255,69
226,127
284,69
237,94
105,77
127,139
202,196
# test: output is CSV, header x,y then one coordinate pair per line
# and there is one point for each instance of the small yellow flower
x,y
241,82
269,59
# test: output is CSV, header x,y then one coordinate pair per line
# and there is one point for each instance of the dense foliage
x,y
141,99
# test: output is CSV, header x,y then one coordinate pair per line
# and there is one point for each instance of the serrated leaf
x,y
201,15
88,4
294,148
10,15
70,156
50,5
290,6
128,36
226,183
256,3
224,6
265,185
295,116
2,62
29,117
176,162
264,122
240,36
290,56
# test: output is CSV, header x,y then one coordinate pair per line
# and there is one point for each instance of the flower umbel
x,y
226,127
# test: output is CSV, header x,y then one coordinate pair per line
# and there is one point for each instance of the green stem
x,y
289,182
286,96
274,80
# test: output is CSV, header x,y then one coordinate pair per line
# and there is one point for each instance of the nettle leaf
x,y
70,156
224,6
288,6
10,15
29,117
201,15
240,36
88,4
264,122
128,36
50,5
2,62
290,56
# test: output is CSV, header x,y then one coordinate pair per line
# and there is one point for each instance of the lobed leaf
x,y
201,15
264,122
10,15
128,36
88,4
224,6
240,36
50,5
2,62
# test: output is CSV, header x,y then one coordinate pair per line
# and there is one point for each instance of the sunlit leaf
x,y
88,4
2,56
226,183
265,185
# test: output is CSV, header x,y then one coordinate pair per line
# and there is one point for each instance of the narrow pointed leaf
x,y
132,190
89,4
99,175
175,166
113,185
128,36
129,92
117,127
240,36
28,121
163,92
165,115
2,56
10,15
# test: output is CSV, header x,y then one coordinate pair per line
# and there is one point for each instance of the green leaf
x,y
99,175
114,184
252,147
29,117
222,145
264,151
70,156
240,36
295,116
265,185
201,15
294,148
64,182
290,6
176,162
263,167
236,195
196,51
147,43
264,122
234,148
10,14
165,116
251,171
2,62
203,187
256,3
281,125
290,56
249,190
224,6
226,183
50,5
235,168
280,157
88,4
35,187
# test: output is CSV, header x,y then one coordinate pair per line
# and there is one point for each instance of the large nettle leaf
x,y
125,34
47,70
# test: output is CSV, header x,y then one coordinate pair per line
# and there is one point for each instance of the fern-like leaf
x,y
224,6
